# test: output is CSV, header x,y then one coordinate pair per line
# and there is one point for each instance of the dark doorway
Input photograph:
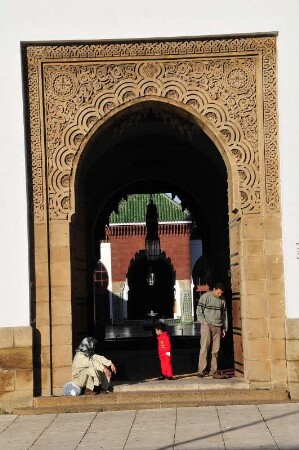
x,y
150,148
145,297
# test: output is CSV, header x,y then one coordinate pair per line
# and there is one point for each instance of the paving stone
x,y
236,427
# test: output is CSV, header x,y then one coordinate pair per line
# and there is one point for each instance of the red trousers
x,y
166,366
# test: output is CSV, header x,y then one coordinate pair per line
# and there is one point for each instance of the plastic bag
x,y
71,389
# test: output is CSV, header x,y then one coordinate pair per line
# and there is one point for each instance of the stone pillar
x,y
292,356
186,301
275,300
262,317
61,317
117,303
41,313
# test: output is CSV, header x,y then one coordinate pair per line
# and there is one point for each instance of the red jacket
x,y
164,344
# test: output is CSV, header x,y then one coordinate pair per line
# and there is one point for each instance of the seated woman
x,y
91,372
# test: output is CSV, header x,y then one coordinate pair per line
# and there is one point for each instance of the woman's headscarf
x,y
87,346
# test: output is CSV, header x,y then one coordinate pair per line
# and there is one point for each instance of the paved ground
x,y
251,427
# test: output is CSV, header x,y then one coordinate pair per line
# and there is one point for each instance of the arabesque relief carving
x,y
222,88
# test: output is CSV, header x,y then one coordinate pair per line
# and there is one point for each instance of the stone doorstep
x,y
182,384
151,394
132,406
169,392
150,400
163,396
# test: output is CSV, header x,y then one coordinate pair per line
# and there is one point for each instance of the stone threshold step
x,y
186,383
147,397
60,409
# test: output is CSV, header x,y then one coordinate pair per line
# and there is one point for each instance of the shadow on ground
x,y
137,359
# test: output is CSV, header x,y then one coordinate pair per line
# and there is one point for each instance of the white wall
x,y
106,260
38,20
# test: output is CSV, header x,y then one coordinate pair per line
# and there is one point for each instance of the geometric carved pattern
x,y
186,305
228,83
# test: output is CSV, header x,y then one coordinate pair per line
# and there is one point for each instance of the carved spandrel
x,y
74,92
238,98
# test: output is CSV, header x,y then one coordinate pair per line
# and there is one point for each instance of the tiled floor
x,y
250,427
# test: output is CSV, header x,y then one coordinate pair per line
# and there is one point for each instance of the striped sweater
x,y
212,310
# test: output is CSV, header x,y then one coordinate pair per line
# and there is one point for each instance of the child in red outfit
x,y
164,351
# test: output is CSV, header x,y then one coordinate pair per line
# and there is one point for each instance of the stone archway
x,y
227,87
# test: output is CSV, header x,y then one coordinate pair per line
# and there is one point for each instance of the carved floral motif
x,y
80,88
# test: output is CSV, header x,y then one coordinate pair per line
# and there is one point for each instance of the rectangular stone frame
x,y
255,231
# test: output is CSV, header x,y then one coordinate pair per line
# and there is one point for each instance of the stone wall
x,y
292,356
16,367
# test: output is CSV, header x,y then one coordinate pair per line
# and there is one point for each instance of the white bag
x,y
71,389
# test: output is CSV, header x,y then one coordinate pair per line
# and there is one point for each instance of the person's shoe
x,y
90,392
219,376
200,375
169,378
161,378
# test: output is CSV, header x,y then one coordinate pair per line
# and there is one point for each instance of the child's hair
x,y
160,326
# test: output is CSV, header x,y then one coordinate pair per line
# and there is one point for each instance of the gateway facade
x,y
203,108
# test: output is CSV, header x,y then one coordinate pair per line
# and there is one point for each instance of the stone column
x,y
262,319
292,355
186,301
41,312
117,303
61,318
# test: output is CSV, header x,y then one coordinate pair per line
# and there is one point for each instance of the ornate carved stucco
x,y
229,83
